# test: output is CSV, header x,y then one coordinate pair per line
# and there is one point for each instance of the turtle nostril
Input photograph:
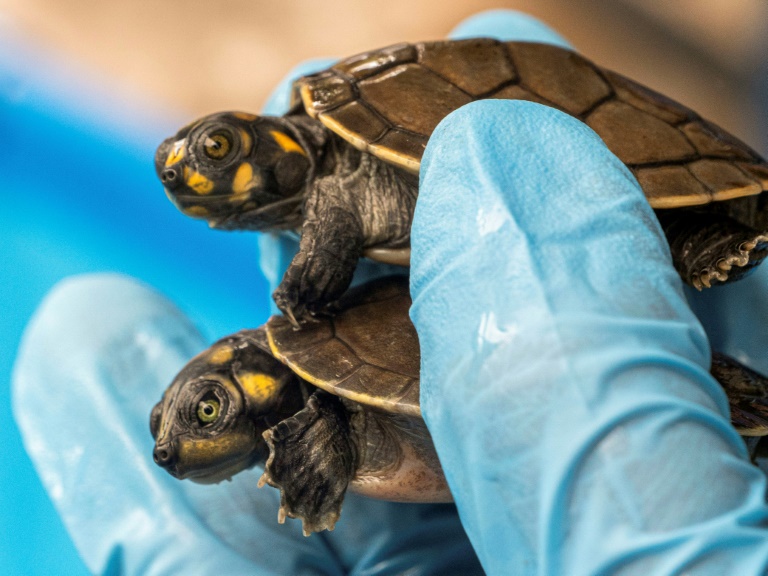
x,y
168,176
163,457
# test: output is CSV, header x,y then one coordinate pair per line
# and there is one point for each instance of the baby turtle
x,y
334,406
343,163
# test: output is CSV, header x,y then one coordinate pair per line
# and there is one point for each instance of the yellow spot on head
x,y
245,116
196,211
244,179
287,143
247,141
198,182
220,354
260,388
177,153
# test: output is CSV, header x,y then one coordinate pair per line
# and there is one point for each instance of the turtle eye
x,y
208,410
217,146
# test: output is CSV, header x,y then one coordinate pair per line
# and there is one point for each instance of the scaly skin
x,y
355,201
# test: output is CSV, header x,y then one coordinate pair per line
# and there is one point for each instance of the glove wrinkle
x,y
562,369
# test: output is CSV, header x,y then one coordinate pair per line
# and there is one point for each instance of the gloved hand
x,y
564,377
95,359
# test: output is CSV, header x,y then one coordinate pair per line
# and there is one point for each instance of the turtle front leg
x,y
331,244
709,247
312,460
365,203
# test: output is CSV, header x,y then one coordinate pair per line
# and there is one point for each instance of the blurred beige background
x,y
198,57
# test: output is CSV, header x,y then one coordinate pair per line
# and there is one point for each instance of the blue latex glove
x,y
95,359
564,377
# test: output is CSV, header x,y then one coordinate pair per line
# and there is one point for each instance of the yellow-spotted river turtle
x,y
337,404
342,164
334,406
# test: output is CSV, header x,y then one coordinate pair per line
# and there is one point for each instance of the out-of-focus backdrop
x,y
195,57
87,89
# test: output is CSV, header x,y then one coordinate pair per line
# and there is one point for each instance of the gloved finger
x,y
277,250
504,25
96,357
564,378
376,537
508,25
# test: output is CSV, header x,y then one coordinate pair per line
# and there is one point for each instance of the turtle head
x,y
236,170
209,424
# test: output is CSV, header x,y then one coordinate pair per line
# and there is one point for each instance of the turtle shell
x,y
367,352
388,102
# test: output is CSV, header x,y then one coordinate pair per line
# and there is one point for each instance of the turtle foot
x,y
303,306
331,245
710,247
311,461
741,255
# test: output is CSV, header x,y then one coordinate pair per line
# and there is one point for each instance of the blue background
x,y
79,194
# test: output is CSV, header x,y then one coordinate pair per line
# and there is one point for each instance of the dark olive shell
x,y
388,102
367,352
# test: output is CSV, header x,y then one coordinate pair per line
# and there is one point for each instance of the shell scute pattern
x,y
389,101
367,352
365,65
569,81
639,137
419,101
476,67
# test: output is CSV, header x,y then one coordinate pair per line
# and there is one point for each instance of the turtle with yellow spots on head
x,y
331,407
342,165
336,407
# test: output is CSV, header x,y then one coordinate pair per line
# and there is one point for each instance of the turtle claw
x,y
293,308
748,246
292,319
723,265
304,318
709,247
287,301
298,314
329,523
